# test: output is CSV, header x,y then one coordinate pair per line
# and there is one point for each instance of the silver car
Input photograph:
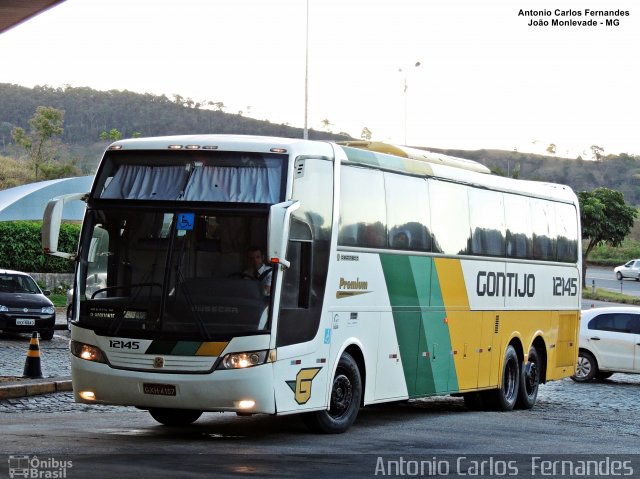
x,y
609,343
628,270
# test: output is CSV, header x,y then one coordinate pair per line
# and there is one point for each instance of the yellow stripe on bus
x,y
465,327
211,348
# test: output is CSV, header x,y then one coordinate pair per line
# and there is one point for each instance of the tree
x,y
366,134
5,132
551,149
217,105
597,152
13,173
45,124
112,135
605,218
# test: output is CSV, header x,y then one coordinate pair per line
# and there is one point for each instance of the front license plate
x,y
159,389
25,322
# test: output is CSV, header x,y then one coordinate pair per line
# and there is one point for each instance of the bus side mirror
x,y
51,221
278,234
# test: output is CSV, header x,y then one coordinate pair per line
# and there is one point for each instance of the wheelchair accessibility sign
x,y
185,221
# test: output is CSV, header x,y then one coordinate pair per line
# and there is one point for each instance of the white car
x,y
628,270
609,343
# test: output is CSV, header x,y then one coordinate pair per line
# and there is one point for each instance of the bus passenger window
x,y
544,230
449,217
486,211
567,226
362,209
408,217
519,232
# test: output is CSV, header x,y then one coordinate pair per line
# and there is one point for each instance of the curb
x,y
32,387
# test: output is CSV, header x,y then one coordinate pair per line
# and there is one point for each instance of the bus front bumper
x,y
247,390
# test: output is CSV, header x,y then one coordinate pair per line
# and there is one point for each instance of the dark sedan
x,y
24,308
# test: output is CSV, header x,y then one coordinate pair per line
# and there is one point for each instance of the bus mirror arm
x,y
52,220
278,234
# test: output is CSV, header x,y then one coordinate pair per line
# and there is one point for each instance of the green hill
x,y
89,112
618,172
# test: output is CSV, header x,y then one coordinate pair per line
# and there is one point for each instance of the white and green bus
x,y
395,274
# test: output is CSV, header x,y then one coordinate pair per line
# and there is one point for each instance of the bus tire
x,y
344,404
174,417
504,398
529,381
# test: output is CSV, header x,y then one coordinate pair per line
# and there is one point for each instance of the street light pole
x,y
305,133
404,71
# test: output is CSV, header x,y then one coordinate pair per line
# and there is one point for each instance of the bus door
x,y
302,340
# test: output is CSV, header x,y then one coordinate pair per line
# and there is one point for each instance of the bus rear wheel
x,y
504,398
529,381
346,394
174,417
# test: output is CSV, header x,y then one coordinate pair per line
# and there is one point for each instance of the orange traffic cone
x,y
32,364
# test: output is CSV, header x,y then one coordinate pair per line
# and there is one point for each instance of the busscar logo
x,y
301,387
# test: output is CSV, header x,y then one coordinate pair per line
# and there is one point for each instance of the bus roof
x,y
406,160
418,154
366,153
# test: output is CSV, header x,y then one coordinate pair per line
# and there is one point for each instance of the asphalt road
x,y
572,422
577,421
605,278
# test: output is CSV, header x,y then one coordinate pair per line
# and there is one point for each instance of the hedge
x,y
21,247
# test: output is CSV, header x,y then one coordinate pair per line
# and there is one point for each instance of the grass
x,y
59,300
604,295
607,256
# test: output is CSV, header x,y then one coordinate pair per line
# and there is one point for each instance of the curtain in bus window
x,y
135,182
235,184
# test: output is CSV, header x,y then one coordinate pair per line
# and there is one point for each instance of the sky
x,y
486,78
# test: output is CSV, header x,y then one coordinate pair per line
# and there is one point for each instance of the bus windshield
x,y
166,273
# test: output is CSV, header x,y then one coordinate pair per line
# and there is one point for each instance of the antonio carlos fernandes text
x,y
494,467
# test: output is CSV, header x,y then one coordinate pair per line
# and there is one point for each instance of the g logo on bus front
x,y
301,387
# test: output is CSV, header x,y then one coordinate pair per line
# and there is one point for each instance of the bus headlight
x,y
246,360
87,352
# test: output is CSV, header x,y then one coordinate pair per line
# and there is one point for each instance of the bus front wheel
x,y
346,394
174,417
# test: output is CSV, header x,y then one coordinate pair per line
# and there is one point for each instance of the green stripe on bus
x,y
186,348
161,347
403,296
419,319
445,374
175,348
